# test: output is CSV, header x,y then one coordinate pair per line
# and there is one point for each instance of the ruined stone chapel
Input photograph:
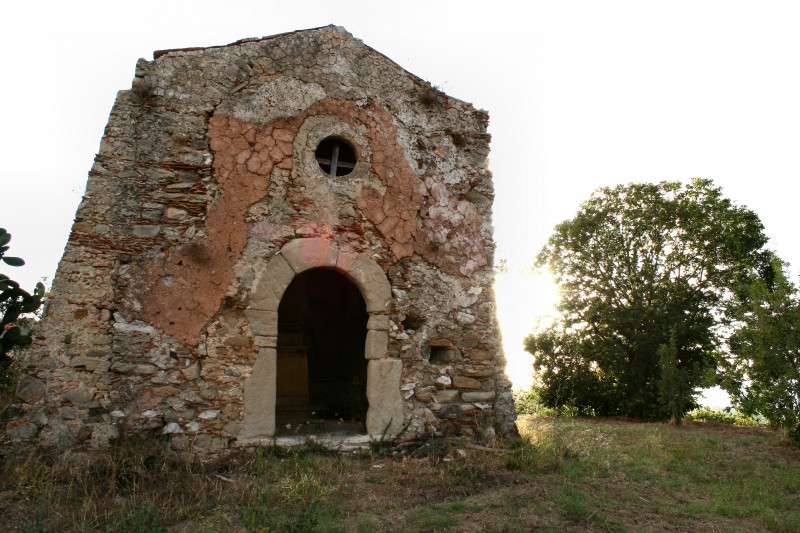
x,y
279,233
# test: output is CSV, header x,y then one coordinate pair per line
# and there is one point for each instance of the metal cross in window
x,y
335,157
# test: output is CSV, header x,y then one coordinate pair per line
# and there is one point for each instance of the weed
x,y
431,97
40,522
573,505
380,447
544,448
305,522
143,518
431,518
259,465
367,524
300,487
508,528
256,514
727,416
9,378
465,472
312,446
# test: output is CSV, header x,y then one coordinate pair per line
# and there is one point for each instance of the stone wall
x,y
206,199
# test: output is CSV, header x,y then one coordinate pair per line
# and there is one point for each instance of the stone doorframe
x,y
385,414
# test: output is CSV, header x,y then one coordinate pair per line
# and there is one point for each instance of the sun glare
x,y
526,300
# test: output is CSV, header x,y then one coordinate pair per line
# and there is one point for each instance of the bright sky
x,y
581,94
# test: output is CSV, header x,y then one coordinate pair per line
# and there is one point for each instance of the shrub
x,y
727,416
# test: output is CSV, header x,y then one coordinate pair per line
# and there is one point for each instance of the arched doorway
x,y
321,372
385,416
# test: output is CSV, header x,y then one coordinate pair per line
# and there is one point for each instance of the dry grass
x,y
565,474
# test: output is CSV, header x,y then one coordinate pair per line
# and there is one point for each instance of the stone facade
x,y
210,197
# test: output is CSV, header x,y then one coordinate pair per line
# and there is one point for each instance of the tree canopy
x,y
762,367
648,274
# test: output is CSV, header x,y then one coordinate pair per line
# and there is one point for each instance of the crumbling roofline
x,y
419,81
160,53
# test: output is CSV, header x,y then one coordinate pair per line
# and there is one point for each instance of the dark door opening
x,y
321,370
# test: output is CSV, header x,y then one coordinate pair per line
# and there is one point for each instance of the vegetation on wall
x,y
14,304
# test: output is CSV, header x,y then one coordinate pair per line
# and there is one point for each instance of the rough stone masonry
x,y
290,228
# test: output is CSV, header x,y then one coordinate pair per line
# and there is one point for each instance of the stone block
x,y
99,352
219,443
303,254
176,213
377,344
270,284
39,418
102,339
385,415
262,322
259,396
20,430
145,369
481,355
440,342
232,428
449,412
202,441
378,322
179,442
164,392
90,363
192,371
424,394
122,368
239,341
82,227
232,371
172,428
30,389
469,341
265,342
59,434
79,396
480,372
146,230
346,260
478,396
371,280
462,382
446,396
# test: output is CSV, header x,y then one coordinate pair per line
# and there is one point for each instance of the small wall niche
x,y
442,355
413,322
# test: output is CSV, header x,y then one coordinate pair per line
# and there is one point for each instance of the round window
x,y
335,156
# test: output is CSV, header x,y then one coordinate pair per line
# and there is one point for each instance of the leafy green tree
x,y
763,365
14,303
647,274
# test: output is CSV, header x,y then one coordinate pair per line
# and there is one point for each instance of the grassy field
x,y
564,475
